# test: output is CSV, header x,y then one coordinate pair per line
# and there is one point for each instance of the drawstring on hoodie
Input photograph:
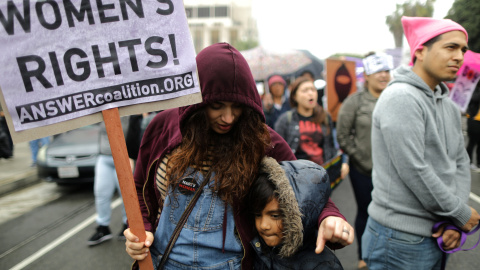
x,y
224,227
440,114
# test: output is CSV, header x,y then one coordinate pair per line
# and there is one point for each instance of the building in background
x,y
212,21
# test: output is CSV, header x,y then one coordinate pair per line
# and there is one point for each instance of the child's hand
x,y
334,230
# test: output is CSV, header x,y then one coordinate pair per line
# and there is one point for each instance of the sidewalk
x,y
16,173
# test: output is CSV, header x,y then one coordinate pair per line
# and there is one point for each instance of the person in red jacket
x,y
221,140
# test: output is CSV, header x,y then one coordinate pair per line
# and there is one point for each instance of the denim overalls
x,y
200,243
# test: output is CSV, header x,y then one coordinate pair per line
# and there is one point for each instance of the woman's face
x,y
222,115
377,82
269,224
277,90
306,95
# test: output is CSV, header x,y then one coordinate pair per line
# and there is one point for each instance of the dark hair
x,y
429,44
319,116
261,193
305,72
234,157
431,41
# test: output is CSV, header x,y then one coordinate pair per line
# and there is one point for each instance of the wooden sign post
x,y
125,178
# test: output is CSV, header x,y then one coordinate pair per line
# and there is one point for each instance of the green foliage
x,y
340,55
245,45
466,13
411,9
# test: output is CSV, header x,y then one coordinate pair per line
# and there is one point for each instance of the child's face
x,y
269,224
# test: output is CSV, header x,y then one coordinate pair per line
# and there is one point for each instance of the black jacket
x,y
303,189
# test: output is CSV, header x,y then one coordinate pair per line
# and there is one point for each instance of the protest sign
x,y
63,60
66,64
341,82
467,79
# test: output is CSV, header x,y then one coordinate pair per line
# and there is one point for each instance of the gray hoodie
x,y
420,166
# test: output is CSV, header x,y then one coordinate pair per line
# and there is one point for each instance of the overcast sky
x,y
326,27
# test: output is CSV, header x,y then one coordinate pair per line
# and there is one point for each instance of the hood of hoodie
x,y
404,74
303,190
224,75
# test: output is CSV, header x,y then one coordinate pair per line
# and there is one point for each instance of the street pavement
x,y
15,172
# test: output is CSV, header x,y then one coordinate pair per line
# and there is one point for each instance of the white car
x,y
70,157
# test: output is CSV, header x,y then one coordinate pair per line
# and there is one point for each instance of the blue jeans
x,y
35,145
385,248
104,187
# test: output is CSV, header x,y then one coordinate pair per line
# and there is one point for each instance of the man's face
x,y
269,224
443,59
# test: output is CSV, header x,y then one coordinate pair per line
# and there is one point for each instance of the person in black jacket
x,y
6,143
473,128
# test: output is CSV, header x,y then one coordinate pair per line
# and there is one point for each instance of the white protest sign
x,y
67,59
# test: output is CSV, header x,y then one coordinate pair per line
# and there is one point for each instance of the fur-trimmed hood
x,y
303,189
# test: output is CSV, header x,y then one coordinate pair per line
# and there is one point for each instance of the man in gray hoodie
x,y
421,172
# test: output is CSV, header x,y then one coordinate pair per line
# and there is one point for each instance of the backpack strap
x,y
289,116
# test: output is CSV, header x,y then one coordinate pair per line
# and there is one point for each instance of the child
x,y
285,201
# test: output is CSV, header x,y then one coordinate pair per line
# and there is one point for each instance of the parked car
x,y
70,157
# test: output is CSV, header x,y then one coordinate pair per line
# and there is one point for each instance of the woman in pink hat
x,y
275,101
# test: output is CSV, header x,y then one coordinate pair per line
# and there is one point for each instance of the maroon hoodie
x,y
224,76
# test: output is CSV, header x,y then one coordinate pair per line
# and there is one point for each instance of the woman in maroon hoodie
x,y
223,139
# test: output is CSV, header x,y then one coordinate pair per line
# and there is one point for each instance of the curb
x,y
19,181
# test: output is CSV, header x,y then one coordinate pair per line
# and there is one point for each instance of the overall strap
x,y
289,117
181,222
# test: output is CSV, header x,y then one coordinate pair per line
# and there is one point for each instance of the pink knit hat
x,y
276,79
419,30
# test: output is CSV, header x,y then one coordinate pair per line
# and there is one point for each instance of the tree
x,y
340,55
245,45
411,9
466,13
